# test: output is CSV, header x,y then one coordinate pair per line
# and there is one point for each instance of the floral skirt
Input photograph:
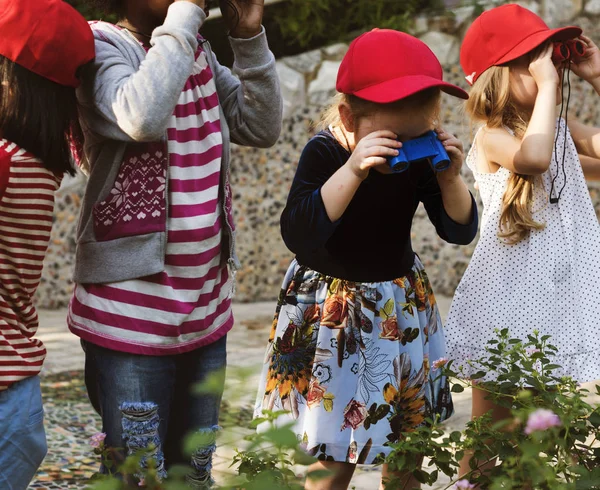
x,y
351,362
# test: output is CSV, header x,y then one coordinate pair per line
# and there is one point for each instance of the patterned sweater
x,y
26,207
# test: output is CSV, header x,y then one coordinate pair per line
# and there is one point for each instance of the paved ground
x,y
70,420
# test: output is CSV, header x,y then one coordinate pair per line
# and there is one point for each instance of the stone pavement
x,y
70,420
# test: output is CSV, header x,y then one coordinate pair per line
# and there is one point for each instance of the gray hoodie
x,y
127,98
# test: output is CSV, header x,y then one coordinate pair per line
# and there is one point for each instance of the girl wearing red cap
x,y
43,45
156,241
357,330
537,263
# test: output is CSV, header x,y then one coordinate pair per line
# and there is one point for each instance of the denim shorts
x,y
22,437
153,396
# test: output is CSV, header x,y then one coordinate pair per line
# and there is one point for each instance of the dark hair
x,y
39,115
109,7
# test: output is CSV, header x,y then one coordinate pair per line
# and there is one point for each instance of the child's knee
x,y
201,475
140,425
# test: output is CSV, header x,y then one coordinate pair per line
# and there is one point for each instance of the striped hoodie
x,y
26,207
188,304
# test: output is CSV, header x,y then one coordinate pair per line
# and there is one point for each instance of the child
x,y
357,326
42,47
156,237
537,263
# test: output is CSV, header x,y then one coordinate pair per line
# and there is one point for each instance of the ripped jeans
x,y
148,399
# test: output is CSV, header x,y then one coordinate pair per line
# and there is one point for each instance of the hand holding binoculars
x,y
426,147
571,50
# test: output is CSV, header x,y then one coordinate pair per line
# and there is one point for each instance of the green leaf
x,y
594,418
478,375
282,437
457,388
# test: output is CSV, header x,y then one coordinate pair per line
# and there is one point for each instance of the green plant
x,y
89,11
550,442
307,20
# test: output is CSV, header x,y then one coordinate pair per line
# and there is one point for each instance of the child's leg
x,y
196,412
22,437
133,391
482,405
341,474
408,482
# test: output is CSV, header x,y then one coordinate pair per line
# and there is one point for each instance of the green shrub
x,y
89,10
304,21
550,442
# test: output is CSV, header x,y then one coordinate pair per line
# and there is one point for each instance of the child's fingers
x,y
453,143
449,140
380,150
443,136
382,133
586,40
372,162
544,51
454,153
387,142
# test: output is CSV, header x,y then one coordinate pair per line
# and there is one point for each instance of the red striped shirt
x,y
26,207
187,305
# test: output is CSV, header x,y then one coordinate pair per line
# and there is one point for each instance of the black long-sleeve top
x,y
371,241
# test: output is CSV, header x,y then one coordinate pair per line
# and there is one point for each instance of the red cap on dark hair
x,y
386,65
504,34
48,37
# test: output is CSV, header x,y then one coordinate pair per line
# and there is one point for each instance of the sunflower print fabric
x,y
351,362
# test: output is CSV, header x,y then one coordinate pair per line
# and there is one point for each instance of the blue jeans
x,y
22,437
149,399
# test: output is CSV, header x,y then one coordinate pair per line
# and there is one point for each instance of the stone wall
x,y
261,178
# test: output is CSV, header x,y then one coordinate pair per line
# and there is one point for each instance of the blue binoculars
x,y
425,147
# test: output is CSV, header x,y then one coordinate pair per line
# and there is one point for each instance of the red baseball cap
x,y
384,65
48,37
504,34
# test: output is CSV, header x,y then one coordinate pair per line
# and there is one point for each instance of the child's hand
x,y
588,66
373,150
542,68
454,148
243,17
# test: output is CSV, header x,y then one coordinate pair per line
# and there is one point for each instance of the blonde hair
x,y
426,101
490,102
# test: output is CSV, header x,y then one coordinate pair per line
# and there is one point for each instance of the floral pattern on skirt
x,y
351,362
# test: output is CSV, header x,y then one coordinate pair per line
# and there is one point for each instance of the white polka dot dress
x,y
549,281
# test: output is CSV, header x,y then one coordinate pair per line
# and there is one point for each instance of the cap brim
x,y
400,88
530,43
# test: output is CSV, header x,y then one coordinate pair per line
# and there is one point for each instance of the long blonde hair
x,y
426,101
490,102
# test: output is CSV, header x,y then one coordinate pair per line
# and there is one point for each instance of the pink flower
x,y
463,485
97,439
531,350
142,483
541,419
441,362
355,414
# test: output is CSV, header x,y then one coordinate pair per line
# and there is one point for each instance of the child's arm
x,y
370,151
449,204
252,102
587,138
532,154
322,189
136,105
590,166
